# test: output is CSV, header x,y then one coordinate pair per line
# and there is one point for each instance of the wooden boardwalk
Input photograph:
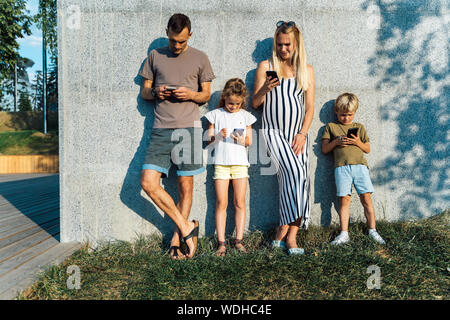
x,y
29,230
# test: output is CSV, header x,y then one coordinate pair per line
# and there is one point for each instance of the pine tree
x,y
36,88
24,101
7,85
52,85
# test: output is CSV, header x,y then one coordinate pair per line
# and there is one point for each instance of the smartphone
x,y
239,131
351,131
170,88
272,74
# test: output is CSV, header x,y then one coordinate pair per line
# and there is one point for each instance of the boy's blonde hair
x,y
234,87
346,102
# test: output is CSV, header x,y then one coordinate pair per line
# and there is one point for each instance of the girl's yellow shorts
x,y
230,172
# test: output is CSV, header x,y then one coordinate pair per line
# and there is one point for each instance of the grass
x,y
414,265
27,142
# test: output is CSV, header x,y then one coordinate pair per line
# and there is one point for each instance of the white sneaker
x,y
376,237
296,251
341,239
278,244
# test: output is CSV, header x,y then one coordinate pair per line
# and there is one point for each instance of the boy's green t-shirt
x,y
346,155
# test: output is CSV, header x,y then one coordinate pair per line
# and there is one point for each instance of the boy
x,y
350,165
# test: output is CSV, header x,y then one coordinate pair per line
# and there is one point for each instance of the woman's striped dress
x,y
283,115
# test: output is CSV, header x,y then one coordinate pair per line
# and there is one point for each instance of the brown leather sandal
x,y
239,245
219,245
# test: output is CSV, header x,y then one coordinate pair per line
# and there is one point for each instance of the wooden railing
x,y
29,164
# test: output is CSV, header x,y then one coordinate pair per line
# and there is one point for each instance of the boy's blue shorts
x,y
357,174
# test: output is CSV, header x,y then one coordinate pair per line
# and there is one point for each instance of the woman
x,y
287,115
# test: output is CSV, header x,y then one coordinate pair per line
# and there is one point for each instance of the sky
x,y
31,46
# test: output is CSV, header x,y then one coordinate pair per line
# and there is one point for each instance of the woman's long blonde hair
x,y
298,59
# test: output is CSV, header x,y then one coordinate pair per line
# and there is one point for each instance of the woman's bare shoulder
x,y
264,65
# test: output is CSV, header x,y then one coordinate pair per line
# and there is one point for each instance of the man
x,y
179,78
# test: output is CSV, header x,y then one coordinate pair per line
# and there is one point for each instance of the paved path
x,y
29,230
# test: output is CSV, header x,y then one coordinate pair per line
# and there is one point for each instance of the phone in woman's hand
x,y
272,74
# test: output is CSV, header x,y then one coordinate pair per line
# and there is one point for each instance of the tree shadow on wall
x,y
411,64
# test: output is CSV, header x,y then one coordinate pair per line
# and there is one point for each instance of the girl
x,y
230,132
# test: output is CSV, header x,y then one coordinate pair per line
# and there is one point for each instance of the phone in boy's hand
x,y
272,74
351,131
239,131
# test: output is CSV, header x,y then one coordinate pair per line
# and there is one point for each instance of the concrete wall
x,y
393,55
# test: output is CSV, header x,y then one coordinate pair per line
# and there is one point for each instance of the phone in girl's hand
x,y
239,131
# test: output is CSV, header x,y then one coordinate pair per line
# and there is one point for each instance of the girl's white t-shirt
x,y
227,151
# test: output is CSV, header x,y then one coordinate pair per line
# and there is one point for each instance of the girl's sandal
x,y
239,246
221,252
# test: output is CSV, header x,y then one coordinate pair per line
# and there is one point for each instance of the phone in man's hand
x,y
272,74
351,131
170,88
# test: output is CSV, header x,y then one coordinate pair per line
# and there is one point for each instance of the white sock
x,y
344,233
372,231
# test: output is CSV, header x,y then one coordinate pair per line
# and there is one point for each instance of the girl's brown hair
x,y
234,87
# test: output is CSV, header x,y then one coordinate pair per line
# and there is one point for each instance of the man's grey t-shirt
x,y
188,69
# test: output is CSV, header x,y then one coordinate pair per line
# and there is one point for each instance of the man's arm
x,y
204,95
146,92
201,97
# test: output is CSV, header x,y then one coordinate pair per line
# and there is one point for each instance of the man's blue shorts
x,y
356,174
181,147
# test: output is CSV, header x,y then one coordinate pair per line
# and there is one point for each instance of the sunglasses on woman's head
x,y
287,24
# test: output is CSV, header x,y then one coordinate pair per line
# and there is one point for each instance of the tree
x,y
36,87
52,85
20,77
52,93
46,21
16,82
24,101
14,24
2,95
